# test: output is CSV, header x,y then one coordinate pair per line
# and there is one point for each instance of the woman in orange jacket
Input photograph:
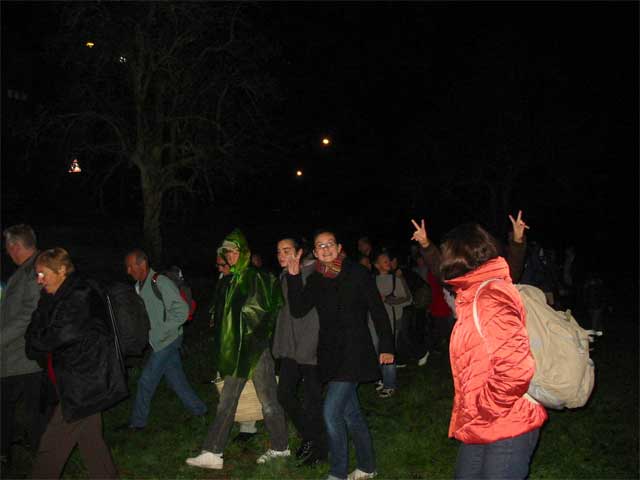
x,y
493,418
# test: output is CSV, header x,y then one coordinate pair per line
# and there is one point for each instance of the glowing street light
x,y
75,166
326,141
298,173
89,44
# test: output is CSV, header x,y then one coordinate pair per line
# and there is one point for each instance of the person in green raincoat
x,y
244,317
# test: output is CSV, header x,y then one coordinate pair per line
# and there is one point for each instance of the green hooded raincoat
x,y
245,319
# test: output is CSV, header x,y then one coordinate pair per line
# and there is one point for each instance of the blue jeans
x,y
389,375
342,414
164,363
504,459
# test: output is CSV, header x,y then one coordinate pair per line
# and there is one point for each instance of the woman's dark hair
x,y
320,231
465,248
296,244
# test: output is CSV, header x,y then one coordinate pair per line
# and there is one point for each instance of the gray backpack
x,y
565,375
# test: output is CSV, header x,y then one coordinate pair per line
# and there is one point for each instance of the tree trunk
x,y
152,194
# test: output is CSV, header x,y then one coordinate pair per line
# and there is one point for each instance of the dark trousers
x,y
505,459
264,380
306,414
26,388
61,437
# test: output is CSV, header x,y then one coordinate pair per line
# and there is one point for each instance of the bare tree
x,y
175,90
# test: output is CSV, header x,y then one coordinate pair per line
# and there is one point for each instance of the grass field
x,y
409,430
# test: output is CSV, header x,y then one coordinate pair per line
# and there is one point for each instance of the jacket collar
x,y
467,284
29,263
140,285
67,286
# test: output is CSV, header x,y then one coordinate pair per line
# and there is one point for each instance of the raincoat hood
x,y
236,241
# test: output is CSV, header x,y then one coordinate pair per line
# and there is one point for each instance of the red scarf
x,y
331,270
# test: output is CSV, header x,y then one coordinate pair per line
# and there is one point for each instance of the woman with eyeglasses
x,y
343,293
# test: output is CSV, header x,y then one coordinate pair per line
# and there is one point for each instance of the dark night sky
x,y
379,76
394,82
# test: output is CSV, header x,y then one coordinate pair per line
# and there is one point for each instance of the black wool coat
x,y
345,348
74,326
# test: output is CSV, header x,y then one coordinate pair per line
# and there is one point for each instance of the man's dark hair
x,y
377,254
139,254
21,233
465,248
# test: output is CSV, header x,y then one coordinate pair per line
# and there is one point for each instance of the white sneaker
x,y
207,460
379,385
423,361
358,474
386,392
271,454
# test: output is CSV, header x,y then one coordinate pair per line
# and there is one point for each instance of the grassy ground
x,y
409,430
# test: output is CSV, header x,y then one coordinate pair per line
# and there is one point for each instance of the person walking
x,y
243,325
21,377
295,343
167,314
343,293
72,333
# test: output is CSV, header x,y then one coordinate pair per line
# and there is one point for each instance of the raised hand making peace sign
x,y
293,263
420,235
518,227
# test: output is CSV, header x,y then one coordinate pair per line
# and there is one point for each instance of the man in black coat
x,y
344,294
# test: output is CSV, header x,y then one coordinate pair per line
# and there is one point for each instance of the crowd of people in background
x,y
328,321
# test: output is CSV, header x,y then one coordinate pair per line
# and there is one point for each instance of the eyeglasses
x,y
322,246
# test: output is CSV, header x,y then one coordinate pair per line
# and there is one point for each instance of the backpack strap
x,y
476,320
158,294
106,298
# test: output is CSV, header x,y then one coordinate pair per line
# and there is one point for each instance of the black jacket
x,y
74,325
345,348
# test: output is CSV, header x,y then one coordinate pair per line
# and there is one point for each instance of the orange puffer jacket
x,y
491,375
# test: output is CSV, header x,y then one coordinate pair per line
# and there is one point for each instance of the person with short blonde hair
x,y
55,259
72,334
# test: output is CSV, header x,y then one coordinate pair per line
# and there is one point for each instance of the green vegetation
x,y
409,429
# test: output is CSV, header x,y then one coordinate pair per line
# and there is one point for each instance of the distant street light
x,y
75,166
298,173
326,141
89,44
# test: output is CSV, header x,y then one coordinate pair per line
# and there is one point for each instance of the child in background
x,y
395,296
